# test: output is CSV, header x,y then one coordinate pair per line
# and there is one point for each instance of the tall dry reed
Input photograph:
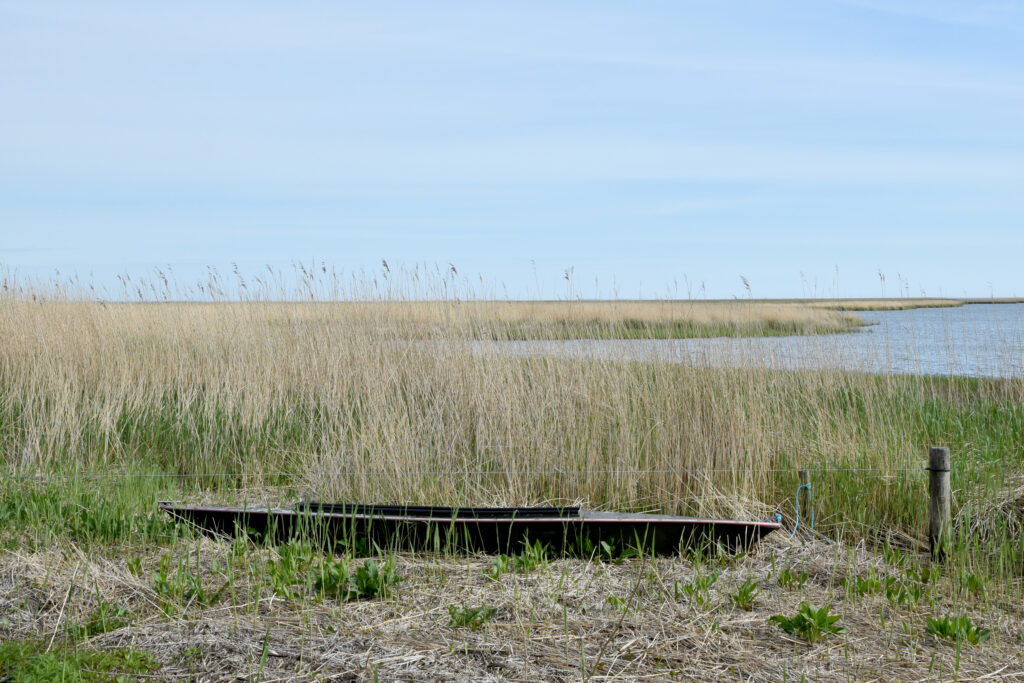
x,y
391,401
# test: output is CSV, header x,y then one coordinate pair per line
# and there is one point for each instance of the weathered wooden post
x,y
938,492
804,495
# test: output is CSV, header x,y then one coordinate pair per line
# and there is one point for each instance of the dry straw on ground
x,y
572,619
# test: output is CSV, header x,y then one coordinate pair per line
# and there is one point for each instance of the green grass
x,y
108,616
28,661
87,508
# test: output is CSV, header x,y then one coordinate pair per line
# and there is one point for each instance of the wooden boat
x,y
474,529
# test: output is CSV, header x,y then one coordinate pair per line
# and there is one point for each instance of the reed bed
x,y
107,407
501,320
393,402
902,304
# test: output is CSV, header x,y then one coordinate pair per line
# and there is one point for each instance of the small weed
x,y
183,586
958,629
373,581
108,616
333,578
900,594
894,557
811,623
927,575
606,551
973,584
472,617
697,588
291,569
192,656
616,601
241,543
501,564
859,586
529,558
609,551
910,589
745,595
791,579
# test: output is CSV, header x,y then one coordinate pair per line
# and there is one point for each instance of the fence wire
x,y
869,471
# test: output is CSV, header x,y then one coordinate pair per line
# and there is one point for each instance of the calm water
x,y
981,340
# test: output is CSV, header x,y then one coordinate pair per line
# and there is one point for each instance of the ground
x,y
559,619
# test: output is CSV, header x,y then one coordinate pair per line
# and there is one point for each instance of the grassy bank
x,y
643,319
107,408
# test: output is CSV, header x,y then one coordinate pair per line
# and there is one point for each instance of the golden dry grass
x,y
344,396
882,304
737,314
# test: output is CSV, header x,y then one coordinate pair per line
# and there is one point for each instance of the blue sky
x,y
655,148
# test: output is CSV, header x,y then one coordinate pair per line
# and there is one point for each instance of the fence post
x,y
938,509
804,493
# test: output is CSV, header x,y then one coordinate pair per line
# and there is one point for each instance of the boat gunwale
x,y
585,516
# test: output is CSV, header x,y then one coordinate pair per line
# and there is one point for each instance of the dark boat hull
x,y
489,530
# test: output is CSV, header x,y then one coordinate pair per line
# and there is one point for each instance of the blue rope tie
x,y
810,502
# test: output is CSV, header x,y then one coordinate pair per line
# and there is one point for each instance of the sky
x,y
586,149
